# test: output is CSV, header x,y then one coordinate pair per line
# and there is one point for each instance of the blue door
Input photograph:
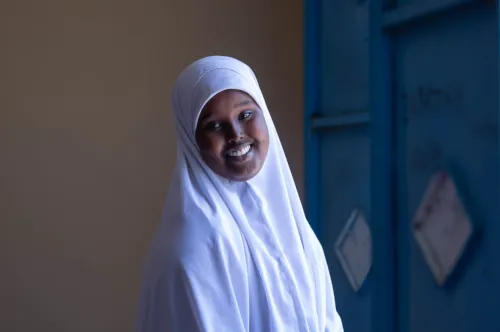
x,y
402,160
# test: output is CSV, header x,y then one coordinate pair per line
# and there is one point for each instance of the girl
x,y
234,251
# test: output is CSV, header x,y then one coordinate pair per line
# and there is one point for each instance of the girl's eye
x,y
246,115
213,126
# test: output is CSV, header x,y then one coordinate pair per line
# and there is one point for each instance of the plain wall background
x,y
87,143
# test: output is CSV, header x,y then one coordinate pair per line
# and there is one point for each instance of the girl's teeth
x,y
241,152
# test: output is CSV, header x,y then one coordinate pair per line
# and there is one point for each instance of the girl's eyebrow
x,y
243,103
204,116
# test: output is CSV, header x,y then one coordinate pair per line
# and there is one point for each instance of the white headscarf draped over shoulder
x,y
232,256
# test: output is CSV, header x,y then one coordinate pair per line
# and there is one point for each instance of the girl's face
x,y
232,135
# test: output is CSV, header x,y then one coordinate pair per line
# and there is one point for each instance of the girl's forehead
x,y
232,97
226,102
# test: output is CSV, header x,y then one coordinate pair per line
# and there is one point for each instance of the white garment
x,y
232,256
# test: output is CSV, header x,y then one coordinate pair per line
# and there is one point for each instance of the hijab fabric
x,y
232,256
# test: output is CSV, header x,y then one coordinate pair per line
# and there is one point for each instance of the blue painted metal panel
x,y
344,160
448,91
343,71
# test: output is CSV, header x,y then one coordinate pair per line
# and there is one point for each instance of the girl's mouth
x,y
239,151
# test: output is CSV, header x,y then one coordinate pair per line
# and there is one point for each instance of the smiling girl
x,y
234,251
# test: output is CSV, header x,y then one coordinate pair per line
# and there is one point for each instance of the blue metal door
x,y
401,119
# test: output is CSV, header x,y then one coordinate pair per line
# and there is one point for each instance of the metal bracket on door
x,y
319,121
419,10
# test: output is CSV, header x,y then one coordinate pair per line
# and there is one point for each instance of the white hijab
x,y
209,231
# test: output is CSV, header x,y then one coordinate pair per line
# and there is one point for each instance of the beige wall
x,y
86,140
